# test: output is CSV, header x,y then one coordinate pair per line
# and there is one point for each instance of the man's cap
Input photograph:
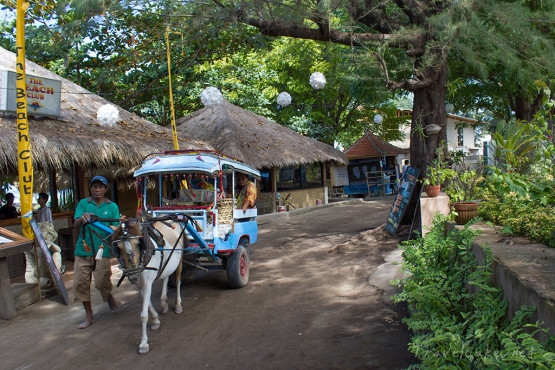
x,y
101,179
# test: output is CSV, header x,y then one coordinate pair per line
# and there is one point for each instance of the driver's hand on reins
x,y
83,219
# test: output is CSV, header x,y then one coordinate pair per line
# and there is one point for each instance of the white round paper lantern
x,y
378,118
107,115
317,80
284,99
211,96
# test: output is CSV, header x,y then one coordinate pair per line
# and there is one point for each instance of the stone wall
x,y
524,270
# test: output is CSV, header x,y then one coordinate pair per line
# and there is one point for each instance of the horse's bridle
x,y
126,239
146,247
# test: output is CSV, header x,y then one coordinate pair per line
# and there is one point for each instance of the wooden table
x,y
17,244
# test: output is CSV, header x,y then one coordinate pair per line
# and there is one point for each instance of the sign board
x,y
43,94
355,189
340,176
402,199
53,269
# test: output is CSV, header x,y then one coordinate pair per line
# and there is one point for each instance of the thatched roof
x,y
77,137
370,145
256,140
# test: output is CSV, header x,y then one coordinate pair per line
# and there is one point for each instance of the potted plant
x,y
435,176
436,173
462,185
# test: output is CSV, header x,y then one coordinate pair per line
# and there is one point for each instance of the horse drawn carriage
x,y
187,214
200,186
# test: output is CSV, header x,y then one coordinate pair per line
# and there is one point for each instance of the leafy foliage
x,y
518,197
458,318
461,179
504,68
515,143
521,217
118,50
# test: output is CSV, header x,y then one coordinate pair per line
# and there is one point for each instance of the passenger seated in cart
x,y
201,183
247,195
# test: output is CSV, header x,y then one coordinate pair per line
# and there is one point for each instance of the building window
x,y
460,136
302,176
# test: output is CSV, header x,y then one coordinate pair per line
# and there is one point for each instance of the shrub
x,y
458,318
521,217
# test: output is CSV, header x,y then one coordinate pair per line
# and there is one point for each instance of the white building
x,y
461,134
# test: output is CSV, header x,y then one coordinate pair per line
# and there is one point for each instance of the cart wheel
x,y
237,267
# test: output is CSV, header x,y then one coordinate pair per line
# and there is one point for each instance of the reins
x,y
92,219
148,237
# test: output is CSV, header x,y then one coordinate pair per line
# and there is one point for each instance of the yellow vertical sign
x,y
174,129
24,159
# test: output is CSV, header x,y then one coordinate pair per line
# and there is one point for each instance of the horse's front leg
x,y
178,308
146,293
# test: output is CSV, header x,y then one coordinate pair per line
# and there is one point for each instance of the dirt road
x,y
318,298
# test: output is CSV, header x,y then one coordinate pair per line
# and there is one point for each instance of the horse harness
x,y
149,243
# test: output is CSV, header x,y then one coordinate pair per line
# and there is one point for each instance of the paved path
x,y
318,298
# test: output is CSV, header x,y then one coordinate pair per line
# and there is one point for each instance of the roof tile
x,y
370,145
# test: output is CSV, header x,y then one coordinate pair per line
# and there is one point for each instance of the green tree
x,y
120,53
411,41
344,109
118,49
509,80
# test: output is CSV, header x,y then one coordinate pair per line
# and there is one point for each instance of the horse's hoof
x,y
144,349
155,326
164,310
178,309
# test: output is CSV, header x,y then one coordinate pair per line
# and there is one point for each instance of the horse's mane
x,y
133,228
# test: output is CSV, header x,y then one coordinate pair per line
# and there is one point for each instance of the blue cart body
x,y
198,184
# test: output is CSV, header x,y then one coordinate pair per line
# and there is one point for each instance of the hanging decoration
x,y
107,115
432,129
284,99
317,80
378,118
211,96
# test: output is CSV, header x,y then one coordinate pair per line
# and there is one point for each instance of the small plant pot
x,y
466,211
432,190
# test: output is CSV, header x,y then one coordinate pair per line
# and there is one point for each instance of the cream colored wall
x,y
300,198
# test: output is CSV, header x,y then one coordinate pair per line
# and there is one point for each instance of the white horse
x,y
148,252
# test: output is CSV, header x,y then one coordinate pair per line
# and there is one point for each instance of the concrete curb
x,y
262,219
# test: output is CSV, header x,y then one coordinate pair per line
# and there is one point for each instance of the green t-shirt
x,y
93,236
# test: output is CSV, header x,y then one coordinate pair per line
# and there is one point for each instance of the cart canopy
x,y
194,161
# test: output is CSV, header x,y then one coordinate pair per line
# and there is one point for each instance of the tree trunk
x,y
428,108
524,108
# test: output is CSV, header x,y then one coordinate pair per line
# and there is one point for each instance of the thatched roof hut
x,y
256,140
77,138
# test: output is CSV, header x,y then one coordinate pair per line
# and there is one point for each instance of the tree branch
x,y
275,29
